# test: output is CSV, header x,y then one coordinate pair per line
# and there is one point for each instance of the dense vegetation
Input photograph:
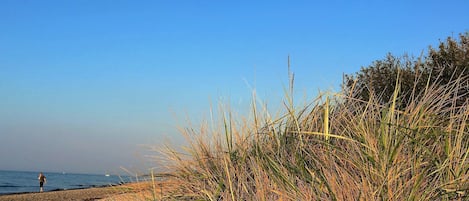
x,y
398,131
441,66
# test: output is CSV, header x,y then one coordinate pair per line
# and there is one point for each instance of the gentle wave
x,y
9,186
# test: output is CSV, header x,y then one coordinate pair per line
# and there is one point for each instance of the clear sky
x,y
84,84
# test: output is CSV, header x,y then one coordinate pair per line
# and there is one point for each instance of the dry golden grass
x,y
334,148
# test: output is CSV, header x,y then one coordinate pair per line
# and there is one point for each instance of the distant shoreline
x,y
58,189
92,193
22,182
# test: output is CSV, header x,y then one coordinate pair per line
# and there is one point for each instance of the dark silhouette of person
x,y
42,181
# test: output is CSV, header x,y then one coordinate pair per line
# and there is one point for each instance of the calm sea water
x,y
23,182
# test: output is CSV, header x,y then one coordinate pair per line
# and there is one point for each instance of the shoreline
x,y
58,189
79,194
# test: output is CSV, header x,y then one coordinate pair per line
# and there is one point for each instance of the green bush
x,y
441,66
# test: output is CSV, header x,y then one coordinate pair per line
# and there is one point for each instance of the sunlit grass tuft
x,y
334,148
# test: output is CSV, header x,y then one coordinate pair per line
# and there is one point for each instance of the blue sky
x,y
84,84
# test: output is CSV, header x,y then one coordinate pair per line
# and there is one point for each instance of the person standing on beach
x,y
42,181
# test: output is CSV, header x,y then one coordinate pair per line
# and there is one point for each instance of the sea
x,y
13,182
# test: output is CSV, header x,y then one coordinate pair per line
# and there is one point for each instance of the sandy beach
x,y
103,193
133,191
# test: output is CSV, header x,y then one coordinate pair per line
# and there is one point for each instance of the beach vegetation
x,y
398,130
444,64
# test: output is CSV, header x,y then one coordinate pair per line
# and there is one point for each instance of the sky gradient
x,y
84,85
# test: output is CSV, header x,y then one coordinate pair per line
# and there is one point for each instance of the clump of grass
x,y
334,148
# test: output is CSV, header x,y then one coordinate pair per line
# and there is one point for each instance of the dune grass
x,y
334,148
